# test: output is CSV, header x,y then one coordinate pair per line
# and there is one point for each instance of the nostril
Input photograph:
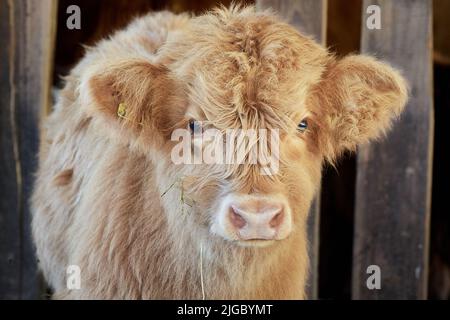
x,y
236,219
276,220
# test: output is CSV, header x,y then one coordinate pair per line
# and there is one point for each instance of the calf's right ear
x,y
139,99
359,98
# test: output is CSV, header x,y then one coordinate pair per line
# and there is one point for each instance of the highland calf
x,y
110,199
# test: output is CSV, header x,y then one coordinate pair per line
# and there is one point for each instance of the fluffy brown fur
x,y
107,196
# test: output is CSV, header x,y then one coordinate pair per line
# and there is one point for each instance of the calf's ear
x,y
358,98
134,98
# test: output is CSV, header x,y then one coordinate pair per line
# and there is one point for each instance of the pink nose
x,y
257,220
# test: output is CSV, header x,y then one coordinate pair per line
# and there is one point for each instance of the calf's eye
x,y
195,126
302,126
191,125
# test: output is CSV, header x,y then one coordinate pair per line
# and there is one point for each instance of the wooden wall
x,y
393,187
27,31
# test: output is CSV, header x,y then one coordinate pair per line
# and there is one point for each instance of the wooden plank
x,y
309,17
27,30
9,221
394,176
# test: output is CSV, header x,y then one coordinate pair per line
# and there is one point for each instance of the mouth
x,y
255,243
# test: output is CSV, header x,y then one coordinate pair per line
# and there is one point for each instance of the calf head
x,y
241,71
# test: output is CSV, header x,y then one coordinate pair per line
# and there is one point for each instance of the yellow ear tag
x,y
122,110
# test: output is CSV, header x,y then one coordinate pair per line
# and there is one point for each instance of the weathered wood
x,y
394,176
27,29
309,17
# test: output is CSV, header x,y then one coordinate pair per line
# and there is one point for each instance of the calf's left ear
x,y
359,98
133,98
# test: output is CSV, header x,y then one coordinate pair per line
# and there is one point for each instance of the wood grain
x,y
394,175
27,30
